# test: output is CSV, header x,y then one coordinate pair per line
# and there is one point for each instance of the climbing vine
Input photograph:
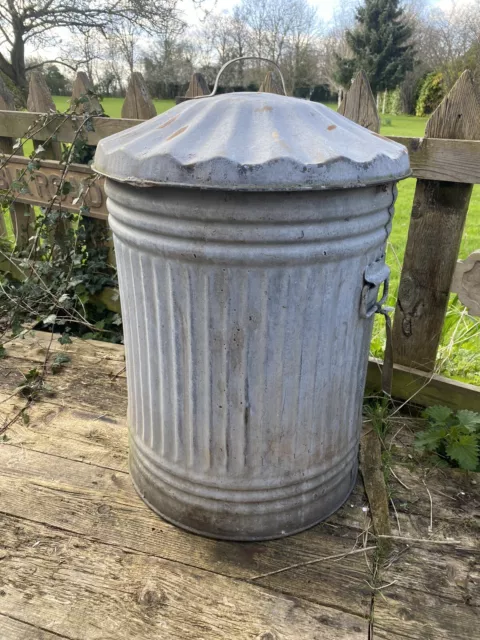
x,y
55,280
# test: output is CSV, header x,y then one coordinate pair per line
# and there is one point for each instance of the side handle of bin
x,y
376,274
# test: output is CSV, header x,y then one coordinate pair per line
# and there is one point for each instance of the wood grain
x,y
99,503
431,595
40,100
448,160
270,84
82,558
86,590
197,87
17,123
138,103
359,104
13,629
422,388
21,215
83,88
436,227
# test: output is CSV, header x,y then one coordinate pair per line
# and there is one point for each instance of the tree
x,y
33,21
56,81
168,66
379,44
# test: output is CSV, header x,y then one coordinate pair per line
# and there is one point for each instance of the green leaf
x,y
65,339
430,439
464,451
3,353
32,375
468,419
438,414
25,417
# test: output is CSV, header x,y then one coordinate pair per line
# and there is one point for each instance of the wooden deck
x,y
82,558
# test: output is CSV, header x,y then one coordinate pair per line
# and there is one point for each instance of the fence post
x,y
436,226
83,87
198,86
22,215
96,230
270,85
138,103
40,100
359,105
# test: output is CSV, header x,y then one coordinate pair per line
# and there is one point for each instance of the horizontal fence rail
x,y
430,158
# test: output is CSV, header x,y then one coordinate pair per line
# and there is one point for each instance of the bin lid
x,y
251,141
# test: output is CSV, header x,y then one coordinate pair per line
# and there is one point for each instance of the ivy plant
x,y
453,436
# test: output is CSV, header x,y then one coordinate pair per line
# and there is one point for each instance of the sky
x,y
325,8
192,14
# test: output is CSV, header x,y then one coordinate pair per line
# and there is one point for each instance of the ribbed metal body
x,y
246,350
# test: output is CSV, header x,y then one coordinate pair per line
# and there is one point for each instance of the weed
x,y
453,436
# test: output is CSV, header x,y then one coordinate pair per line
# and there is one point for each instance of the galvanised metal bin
x,y
250,234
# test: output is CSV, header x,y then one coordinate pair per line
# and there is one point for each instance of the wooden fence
x,y
445,162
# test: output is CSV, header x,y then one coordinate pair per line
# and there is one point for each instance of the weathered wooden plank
x,y
16,124
138,103
6,103
40,100
99,390
45,180
448,160
436,227
424,388
33,344
21,215
95,438
13,629
198,86
100,503
374,482
83,88
429,595
86,590
439,504
359,104
270,84
43,187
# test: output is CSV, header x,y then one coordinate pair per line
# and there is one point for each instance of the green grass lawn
x,y
113,106
460,348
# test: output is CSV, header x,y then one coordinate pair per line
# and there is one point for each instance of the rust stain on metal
x,y
177,133
267,107
282,143
165,124
332,127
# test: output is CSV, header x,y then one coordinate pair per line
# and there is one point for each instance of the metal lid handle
x,y
215,86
